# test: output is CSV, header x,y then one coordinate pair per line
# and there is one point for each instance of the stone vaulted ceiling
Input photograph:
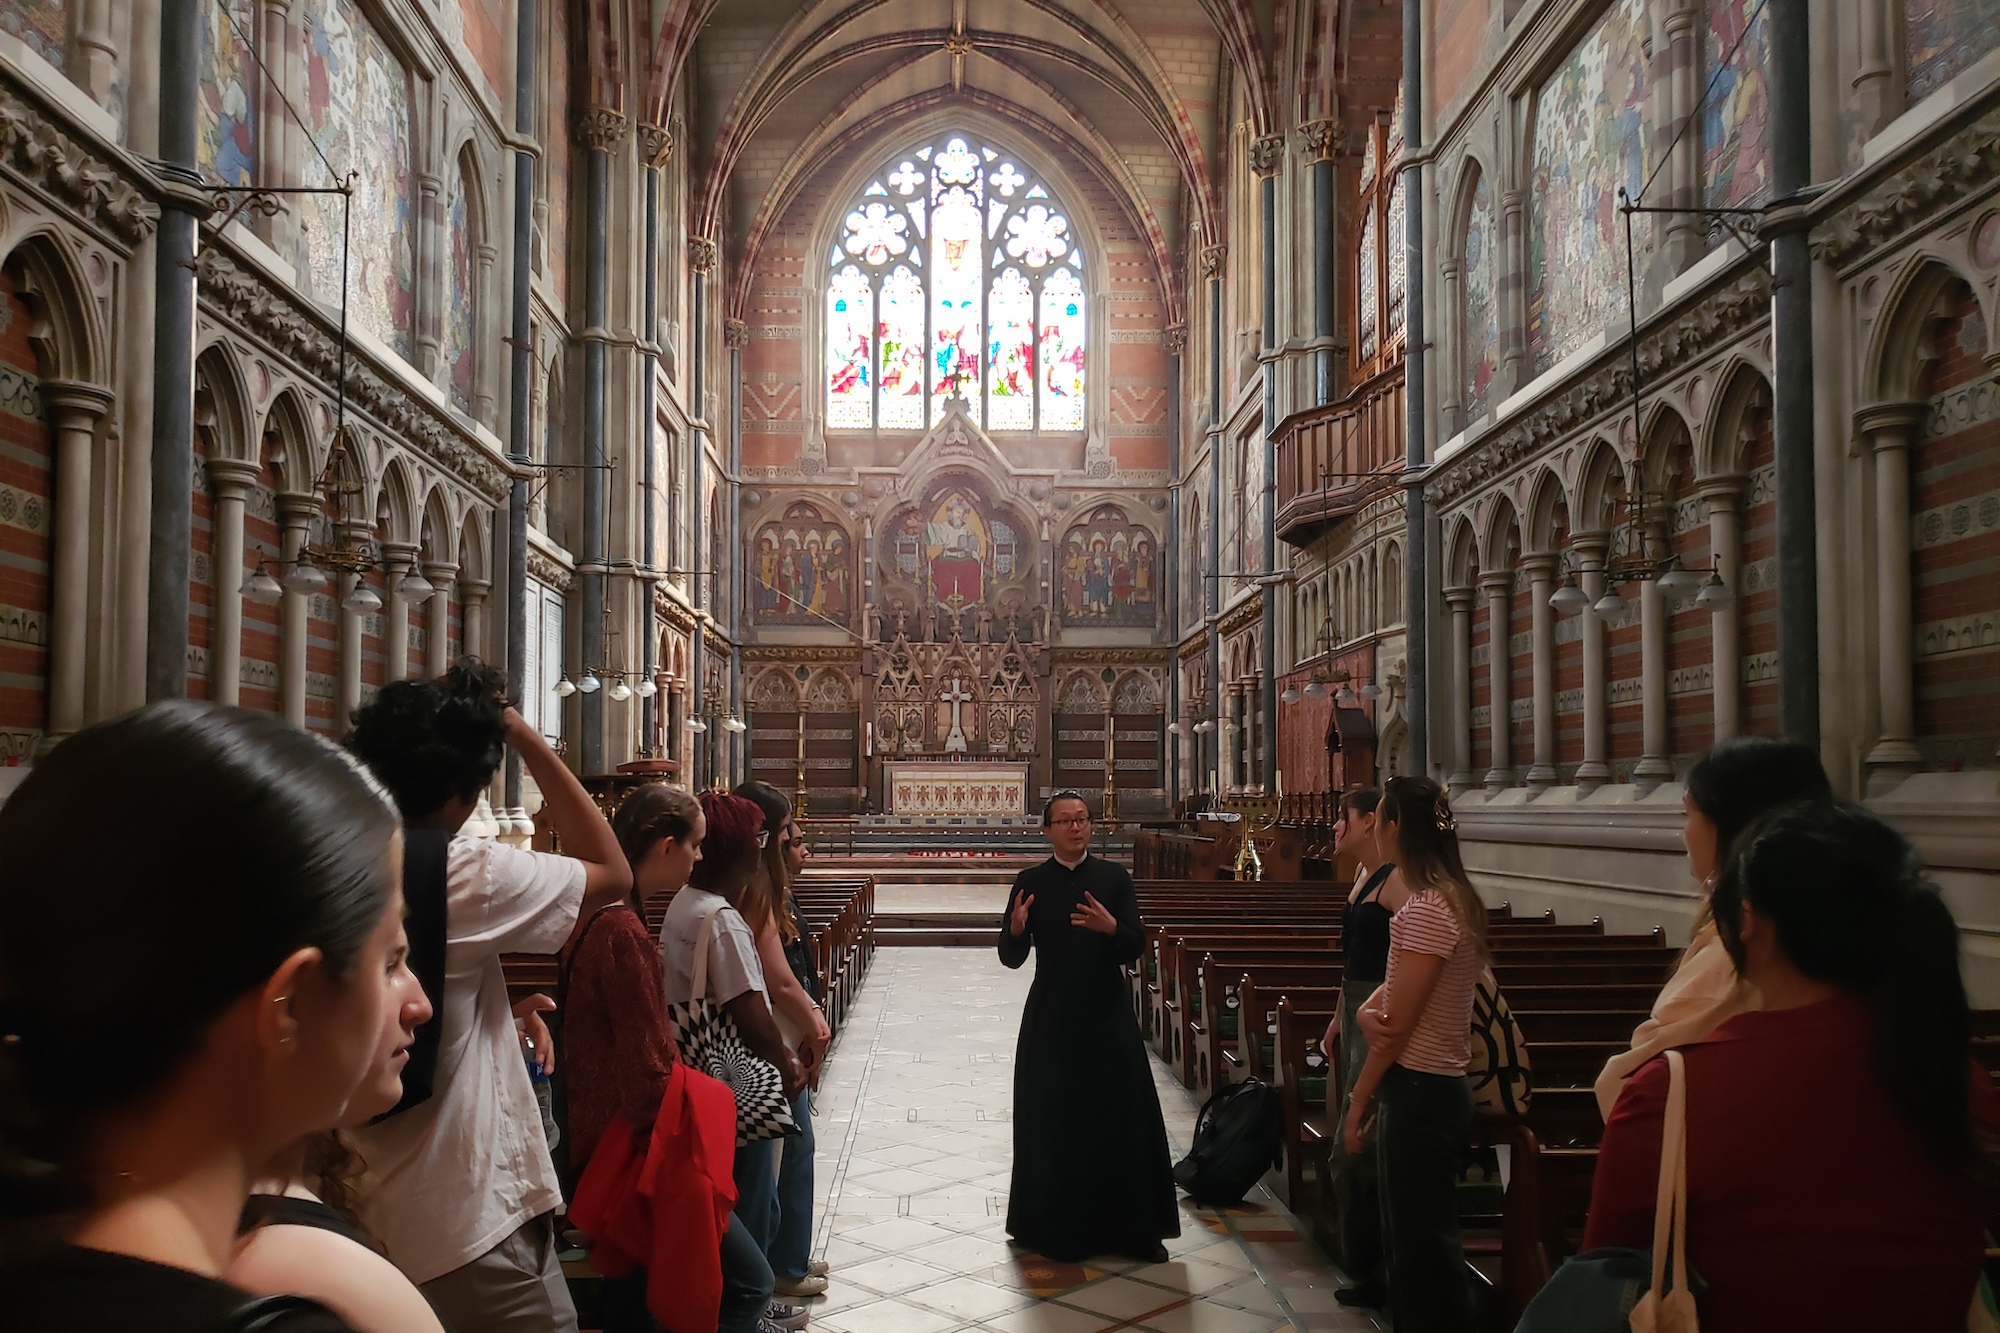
x,y
1124,94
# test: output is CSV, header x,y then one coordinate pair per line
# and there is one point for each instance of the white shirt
x,y
452,1178
733,966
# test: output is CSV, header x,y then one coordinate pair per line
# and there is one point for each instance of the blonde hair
x,y
1427,849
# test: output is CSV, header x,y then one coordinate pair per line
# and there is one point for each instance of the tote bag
x,y
1502,1079
1613,1290
710,1042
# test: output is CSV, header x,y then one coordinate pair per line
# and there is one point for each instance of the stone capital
x,y
1267,154
75,404
701,254
1890,425
297,509
1174,339
1721,492
735,334
1323,138
231,478
1461,596
603,129
656,145
441,572
474,591
1497,583
1212,259
1542,564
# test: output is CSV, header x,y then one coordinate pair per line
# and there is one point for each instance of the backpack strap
x,y
285,1314
426,854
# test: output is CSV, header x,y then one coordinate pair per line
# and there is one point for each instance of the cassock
x,y
1092,1171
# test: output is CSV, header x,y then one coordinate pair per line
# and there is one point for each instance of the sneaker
x,y
1365,1296
766,1326
817,1268
785,1316
812,1284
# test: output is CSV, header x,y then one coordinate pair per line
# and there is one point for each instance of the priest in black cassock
x,y
1092,1172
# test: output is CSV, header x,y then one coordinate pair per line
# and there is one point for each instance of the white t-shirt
x,y
452,1178
733,966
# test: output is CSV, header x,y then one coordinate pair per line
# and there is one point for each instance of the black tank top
x,y
276,1210
1364,933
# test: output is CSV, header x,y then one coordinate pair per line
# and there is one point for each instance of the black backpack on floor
x,y
1236,1139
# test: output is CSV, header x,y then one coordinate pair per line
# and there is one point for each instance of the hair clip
x,y
1446,821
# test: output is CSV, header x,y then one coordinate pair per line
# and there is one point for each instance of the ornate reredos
x,y
957,441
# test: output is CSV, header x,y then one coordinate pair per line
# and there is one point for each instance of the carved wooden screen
x,y
833,744
774,729
1080,705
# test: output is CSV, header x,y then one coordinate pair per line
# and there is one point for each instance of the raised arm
x,y
586,835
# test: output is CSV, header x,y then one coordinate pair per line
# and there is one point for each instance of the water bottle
x,y
544,1097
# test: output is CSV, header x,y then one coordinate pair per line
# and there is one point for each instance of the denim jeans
x,y
1422,1125
793,1246
746,1290
757,1192
1357,1210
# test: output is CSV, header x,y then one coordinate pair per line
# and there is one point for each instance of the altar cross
x,y
958,696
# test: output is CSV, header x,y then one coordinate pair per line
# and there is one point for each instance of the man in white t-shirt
x,y
461,1190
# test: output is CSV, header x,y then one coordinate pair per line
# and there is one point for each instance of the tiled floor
x,y
915,1142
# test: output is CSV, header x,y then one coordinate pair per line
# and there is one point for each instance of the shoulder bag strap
x,y
1670,1207
704,936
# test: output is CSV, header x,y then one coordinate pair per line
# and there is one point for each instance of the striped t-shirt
x,y
1426,924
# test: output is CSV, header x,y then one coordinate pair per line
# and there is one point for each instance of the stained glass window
x,y
1399,261
956,274
1366,284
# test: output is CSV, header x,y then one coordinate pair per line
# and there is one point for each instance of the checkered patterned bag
x,y
710,1042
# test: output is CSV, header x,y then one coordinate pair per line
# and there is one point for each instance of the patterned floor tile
x,y
915,1153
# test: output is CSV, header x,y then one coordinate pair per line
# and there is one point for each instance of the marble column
x,y
1875,88
1460,599
73,411
1655,762
437,634
1451,406
398,559
1542,584
472,596
296,511
1890,429
1722,495
1684,86
1595,770
1498,585
231,479
353,625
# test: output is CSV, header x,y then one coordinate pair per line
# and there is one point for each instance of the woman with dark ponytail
x,y
1830,1153
180,1001
1727,790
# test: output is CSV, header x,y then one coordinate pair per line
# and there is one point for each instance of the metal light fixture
x,y
1203,727
1315,688
1677,585
1715,595
361,600
646,688
696,724
262,589
588,683
414,587
305,578
1344,697
1371,691
565,687
619,691
1610,607
733,724
1173,728
1290,694
1569,599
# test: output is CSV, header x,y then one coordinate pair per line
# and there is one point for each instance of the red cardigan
x,y
617,1047
1811,1203
666,1212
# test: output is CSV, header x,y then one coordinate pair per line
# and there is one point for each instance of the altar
x,y
956,790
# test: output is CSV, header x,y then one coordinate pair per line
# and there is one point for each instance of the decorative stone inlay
x,y
1569,701
20,394
1692,680
18,747
1961,634
1759,576
1760,669
1973,516
1967,161
24,510
20,624
1961,409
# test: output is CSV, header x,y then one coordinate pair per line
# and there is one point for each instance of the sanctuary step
x,y
949,904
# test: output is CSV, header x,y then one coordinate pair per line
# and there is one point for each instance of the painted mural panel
x,y
1110,572
357,109
1590,139
1735,152
42,24
1482,310
1941,38
802,570
226,106
458,297
953,545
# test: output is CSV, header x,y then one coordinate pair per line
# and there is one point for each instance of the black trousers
x,y
1422,1125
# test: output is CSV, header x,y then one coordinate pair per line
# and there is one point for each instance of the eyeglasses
x,y
763,838
1074,821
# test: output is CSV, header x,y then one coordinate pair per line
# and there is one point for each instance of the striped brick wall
x,y
26,524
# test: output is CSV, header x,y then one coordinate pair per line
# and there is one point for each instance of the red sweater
x,y
1811,1203
617,1047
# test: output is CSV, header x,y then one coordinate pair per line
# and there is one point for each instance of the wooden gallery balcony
x,y
1336,458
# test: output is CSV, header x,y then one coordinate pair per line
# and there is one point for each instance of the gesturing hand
x,y
535,1032
1093,915
1017,922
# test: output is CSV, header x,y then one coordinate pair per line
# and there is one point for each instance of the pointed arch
x,y
1548,514
222,405
1722,449
67,336
286,443
398,499
1904,346
1461,561
1599,481
1502,535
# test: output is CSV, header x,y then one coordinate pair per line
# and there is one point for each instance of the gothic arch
x,y
472,546
1903,350
435,535
1601,478
398,494
773,691
1548,513
1720,449
829,691
1081,692
67,336
287,445
1135,692
1503,530
1461,554
222,411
